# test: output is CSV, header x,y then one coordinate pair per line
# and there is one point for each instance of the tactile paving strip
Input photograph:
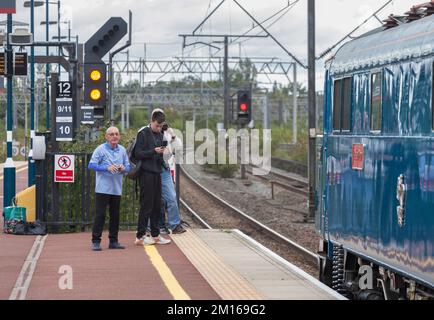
x,y
228,283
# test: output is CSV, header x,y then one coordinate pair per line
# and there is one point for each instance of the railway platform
x,y
198,265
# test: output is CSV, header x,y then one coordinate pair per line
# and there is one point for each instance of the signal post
x,y
95,70
244,115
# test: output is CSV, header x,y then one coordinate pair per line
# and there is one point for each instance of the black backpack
x,y
134,163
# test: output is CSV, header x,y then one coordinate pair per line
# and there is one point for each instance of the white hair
x,y
110,129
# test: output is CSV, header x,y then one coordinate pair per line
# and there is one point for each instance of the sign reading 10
x,y
65,130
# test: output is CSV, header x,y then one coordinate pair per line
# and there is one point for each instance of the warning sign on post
x,y
358,157
64,168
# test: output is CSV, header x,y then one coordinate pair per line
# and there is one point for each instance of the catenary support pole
x,y
312,106
295,106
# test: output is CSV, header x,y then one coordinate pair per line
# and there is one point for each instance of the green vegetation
x,y
282,135
71,202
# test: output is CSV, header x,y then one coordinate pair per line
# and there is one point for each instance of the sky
x,y
158,23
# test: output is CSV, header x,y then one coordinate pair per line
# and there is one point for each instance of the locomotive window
x,y
337,106
376,105
346,105
342,105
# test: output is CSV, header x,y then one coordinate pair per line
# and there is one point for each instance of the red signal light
x,y
244,107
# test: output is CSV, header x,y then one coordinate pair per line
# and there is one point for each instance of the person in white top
x,y
168,193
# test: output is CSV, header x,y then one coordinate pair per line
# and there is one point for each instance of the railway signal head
x,y
244,106
95,84
105,39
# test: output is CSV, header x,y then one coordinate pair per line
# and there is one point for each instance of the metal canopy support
x,y
54,59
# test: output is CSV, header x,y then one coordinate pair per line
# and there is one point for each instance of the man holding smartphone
x,y
149,149
110,162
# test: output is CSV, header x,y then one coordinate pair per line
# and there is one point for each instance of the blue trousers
x,y
168,199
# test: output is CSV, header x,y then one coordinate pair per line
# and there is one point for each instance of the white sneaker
x,y
139,242
148,241
162,240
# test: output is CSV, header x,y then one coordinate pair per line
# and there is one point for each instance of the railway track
x,y
291,184
222,215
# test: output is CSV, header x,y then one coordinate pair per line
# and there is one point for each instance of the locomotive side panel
x,y
361,205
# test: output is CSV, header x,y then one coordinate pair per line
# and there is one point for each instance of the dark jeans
x,y
150,203
102,201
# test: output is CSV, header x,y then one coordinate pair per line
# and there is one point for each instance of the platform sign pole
x,y
31,162
64,112
9,170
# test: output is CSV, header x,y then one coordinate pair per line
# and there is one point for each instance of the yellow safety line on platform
x,y
18,171
166,274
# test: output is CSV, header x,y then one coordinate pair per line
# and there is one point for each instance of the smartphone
x,y
164,144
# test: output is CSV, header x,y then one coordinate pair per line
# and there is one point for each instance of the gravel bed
x,y
286,214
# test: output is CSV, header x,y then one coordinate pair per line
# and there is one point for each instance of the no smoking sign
x,y
64,168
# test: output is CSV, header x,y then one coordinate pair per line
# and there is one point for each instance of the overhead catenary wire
x,y
268,26
288,5
272,37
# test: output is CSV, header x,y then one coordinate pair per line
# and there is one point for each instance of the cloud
x,y
158,23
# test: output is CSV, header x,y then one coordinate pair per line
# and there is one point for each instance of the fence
x,y
69,207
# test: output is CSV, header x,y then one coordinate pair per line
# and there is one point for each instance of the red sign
x,y
8,6
64,168
358,156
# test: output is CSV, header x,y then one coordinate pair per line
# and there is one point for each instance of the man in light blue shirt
x,y
110,162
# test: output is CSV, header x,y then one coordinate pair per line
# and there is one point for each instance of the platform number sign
x,y
64,114
64,89
64,131
64,108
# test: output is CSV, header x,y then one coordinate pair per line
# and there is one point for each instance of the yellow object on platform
x,y
27,199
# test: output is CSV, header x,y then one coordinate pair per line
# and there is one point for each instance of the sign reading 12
x,y
64,89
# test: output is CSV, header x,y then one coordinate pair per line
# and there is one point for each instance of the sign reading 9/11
x,y
64,108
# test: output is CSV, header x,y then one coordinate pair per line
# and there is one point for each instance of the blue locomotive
x,y
375,179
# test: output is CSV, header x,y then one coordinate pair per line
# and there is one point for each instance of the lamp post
x,y
47,23
28,4
31,163
47,69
